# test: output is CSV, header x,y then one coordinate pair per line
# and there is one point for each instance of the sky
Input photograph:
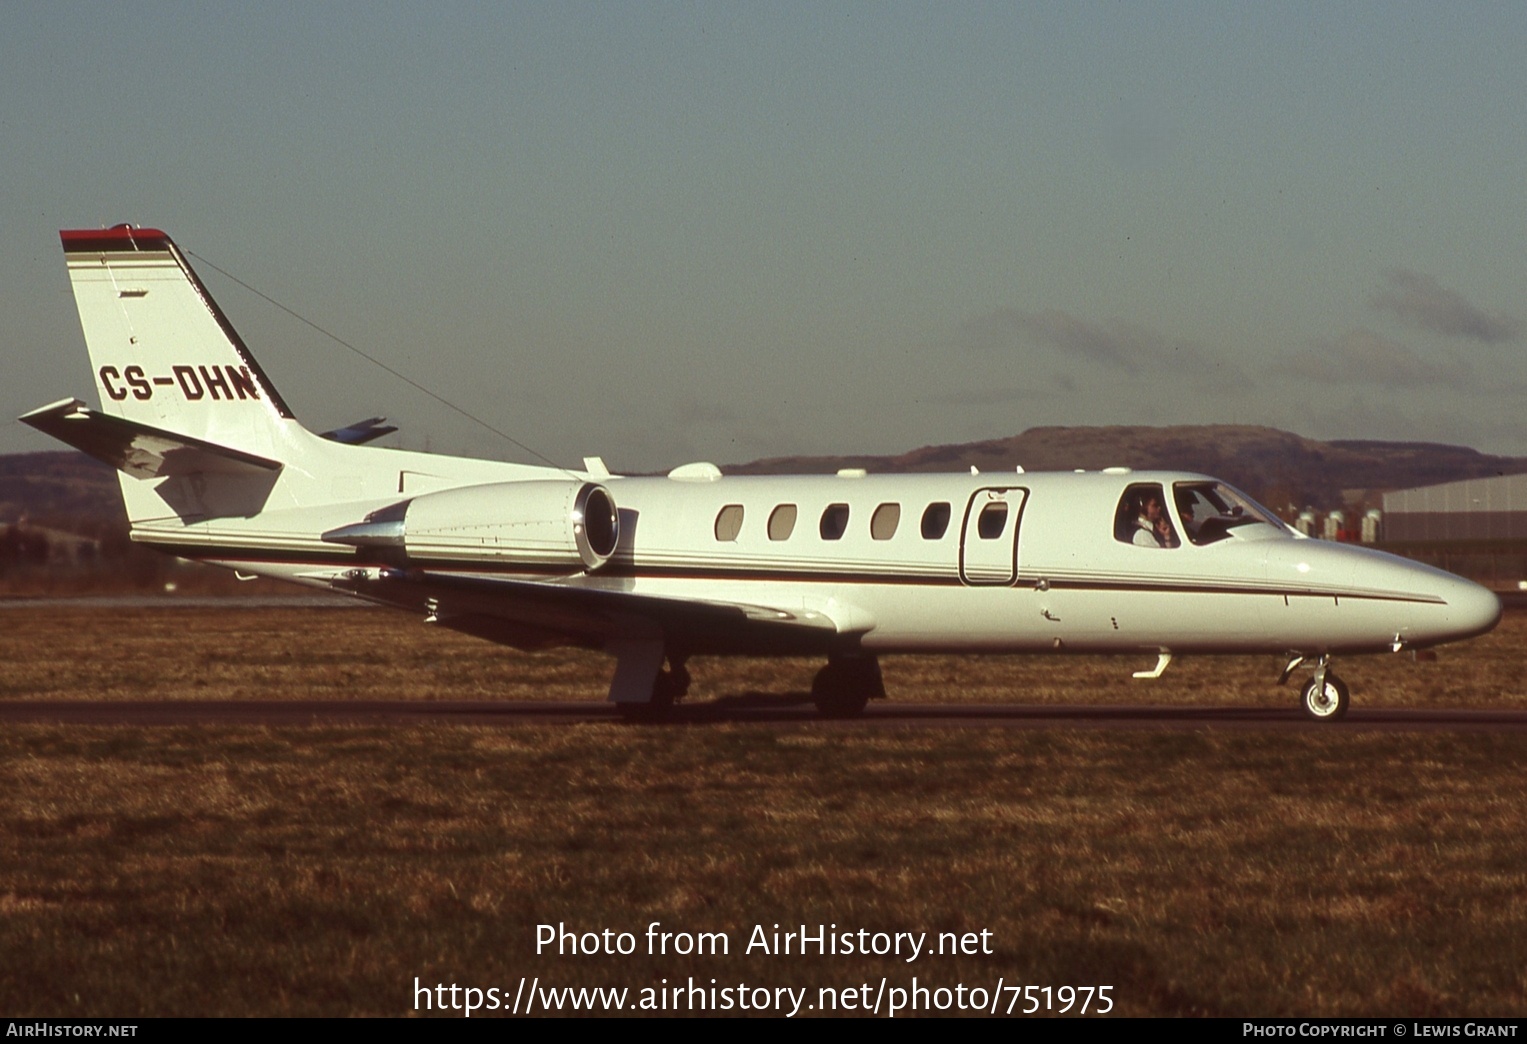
x,y
672,232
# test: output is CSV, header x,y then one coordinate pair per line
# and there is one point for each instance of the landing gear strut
x,y
668,688
1324,697
845,685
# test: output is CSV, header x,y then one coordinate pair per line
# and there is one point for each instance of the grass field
x,y
54,652
245,870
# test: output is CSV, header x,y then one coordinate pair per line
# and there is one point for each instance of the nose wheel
x,y
1324,697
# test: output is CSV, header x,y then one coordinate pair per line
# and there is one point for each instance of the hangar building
x,y
1473,509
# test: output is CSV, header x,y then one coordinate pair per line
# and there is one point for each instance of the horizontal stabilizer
x,y
139,450
361,432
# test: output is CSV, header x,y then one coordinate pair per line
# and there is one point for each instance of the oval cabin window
x,y
834,521
935,521
729,522
782,522
884,521
992,522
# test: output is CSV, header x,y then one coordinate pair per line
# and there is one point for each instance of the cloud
x,y
1114,344
1364,357
1042,391
1422,301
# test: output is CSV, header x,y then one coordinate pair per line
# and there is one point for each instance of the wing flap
x,y
578,611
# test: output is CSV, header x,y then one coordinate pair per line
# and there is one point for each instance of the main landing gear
x,y
668,688
840,690
845,685
1324,697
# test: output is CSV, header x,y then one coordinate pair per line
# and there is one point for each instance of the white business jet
x,y
215,468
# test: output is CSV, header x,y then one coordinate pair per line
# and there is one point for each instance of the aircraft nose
x,y
1471,609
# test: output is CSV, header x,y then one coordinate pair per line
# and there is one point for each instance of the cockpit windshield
x,y
1210,510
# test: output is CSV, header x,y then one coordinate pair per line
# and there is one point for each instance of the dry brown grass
x,y
309,654
317,871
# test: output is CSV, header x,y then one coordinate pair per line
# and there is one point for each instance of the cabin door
x,y
989,542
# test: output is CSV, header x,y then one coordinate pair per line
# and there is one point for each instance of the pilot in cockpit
x,y
1152,525
1185,512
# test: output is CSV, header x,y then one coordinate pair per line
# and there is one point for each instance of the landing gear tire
x,y
668,688
1325,702
843,688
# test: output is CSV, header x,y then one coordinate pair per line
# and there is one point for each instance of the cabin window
x,y
884,521
935,521
729,522
992,521
782,522
834,521
1143,520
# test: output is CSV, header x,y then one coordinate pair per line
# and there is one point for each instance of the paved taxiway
x,y
756,709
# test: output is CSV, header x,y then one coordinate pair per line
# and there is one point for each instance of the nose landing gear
x,y
1324,697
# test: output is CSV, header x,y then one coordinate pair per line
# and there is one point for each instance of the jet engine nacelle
x,y
551,524
570,524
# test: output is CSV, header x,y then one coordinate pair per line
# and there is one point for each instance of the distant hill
x,y
70,491
65,489
1277,467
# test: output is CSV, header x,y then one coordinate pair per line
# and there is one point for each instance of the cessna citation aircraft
x,y
214,467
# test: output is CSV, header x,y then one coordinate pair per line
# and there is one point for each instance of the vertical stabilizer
x,y
163,353
195,428
169,366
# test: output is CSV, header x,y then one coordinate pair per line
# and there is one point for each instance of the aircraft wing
x,y
140,450
537,613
